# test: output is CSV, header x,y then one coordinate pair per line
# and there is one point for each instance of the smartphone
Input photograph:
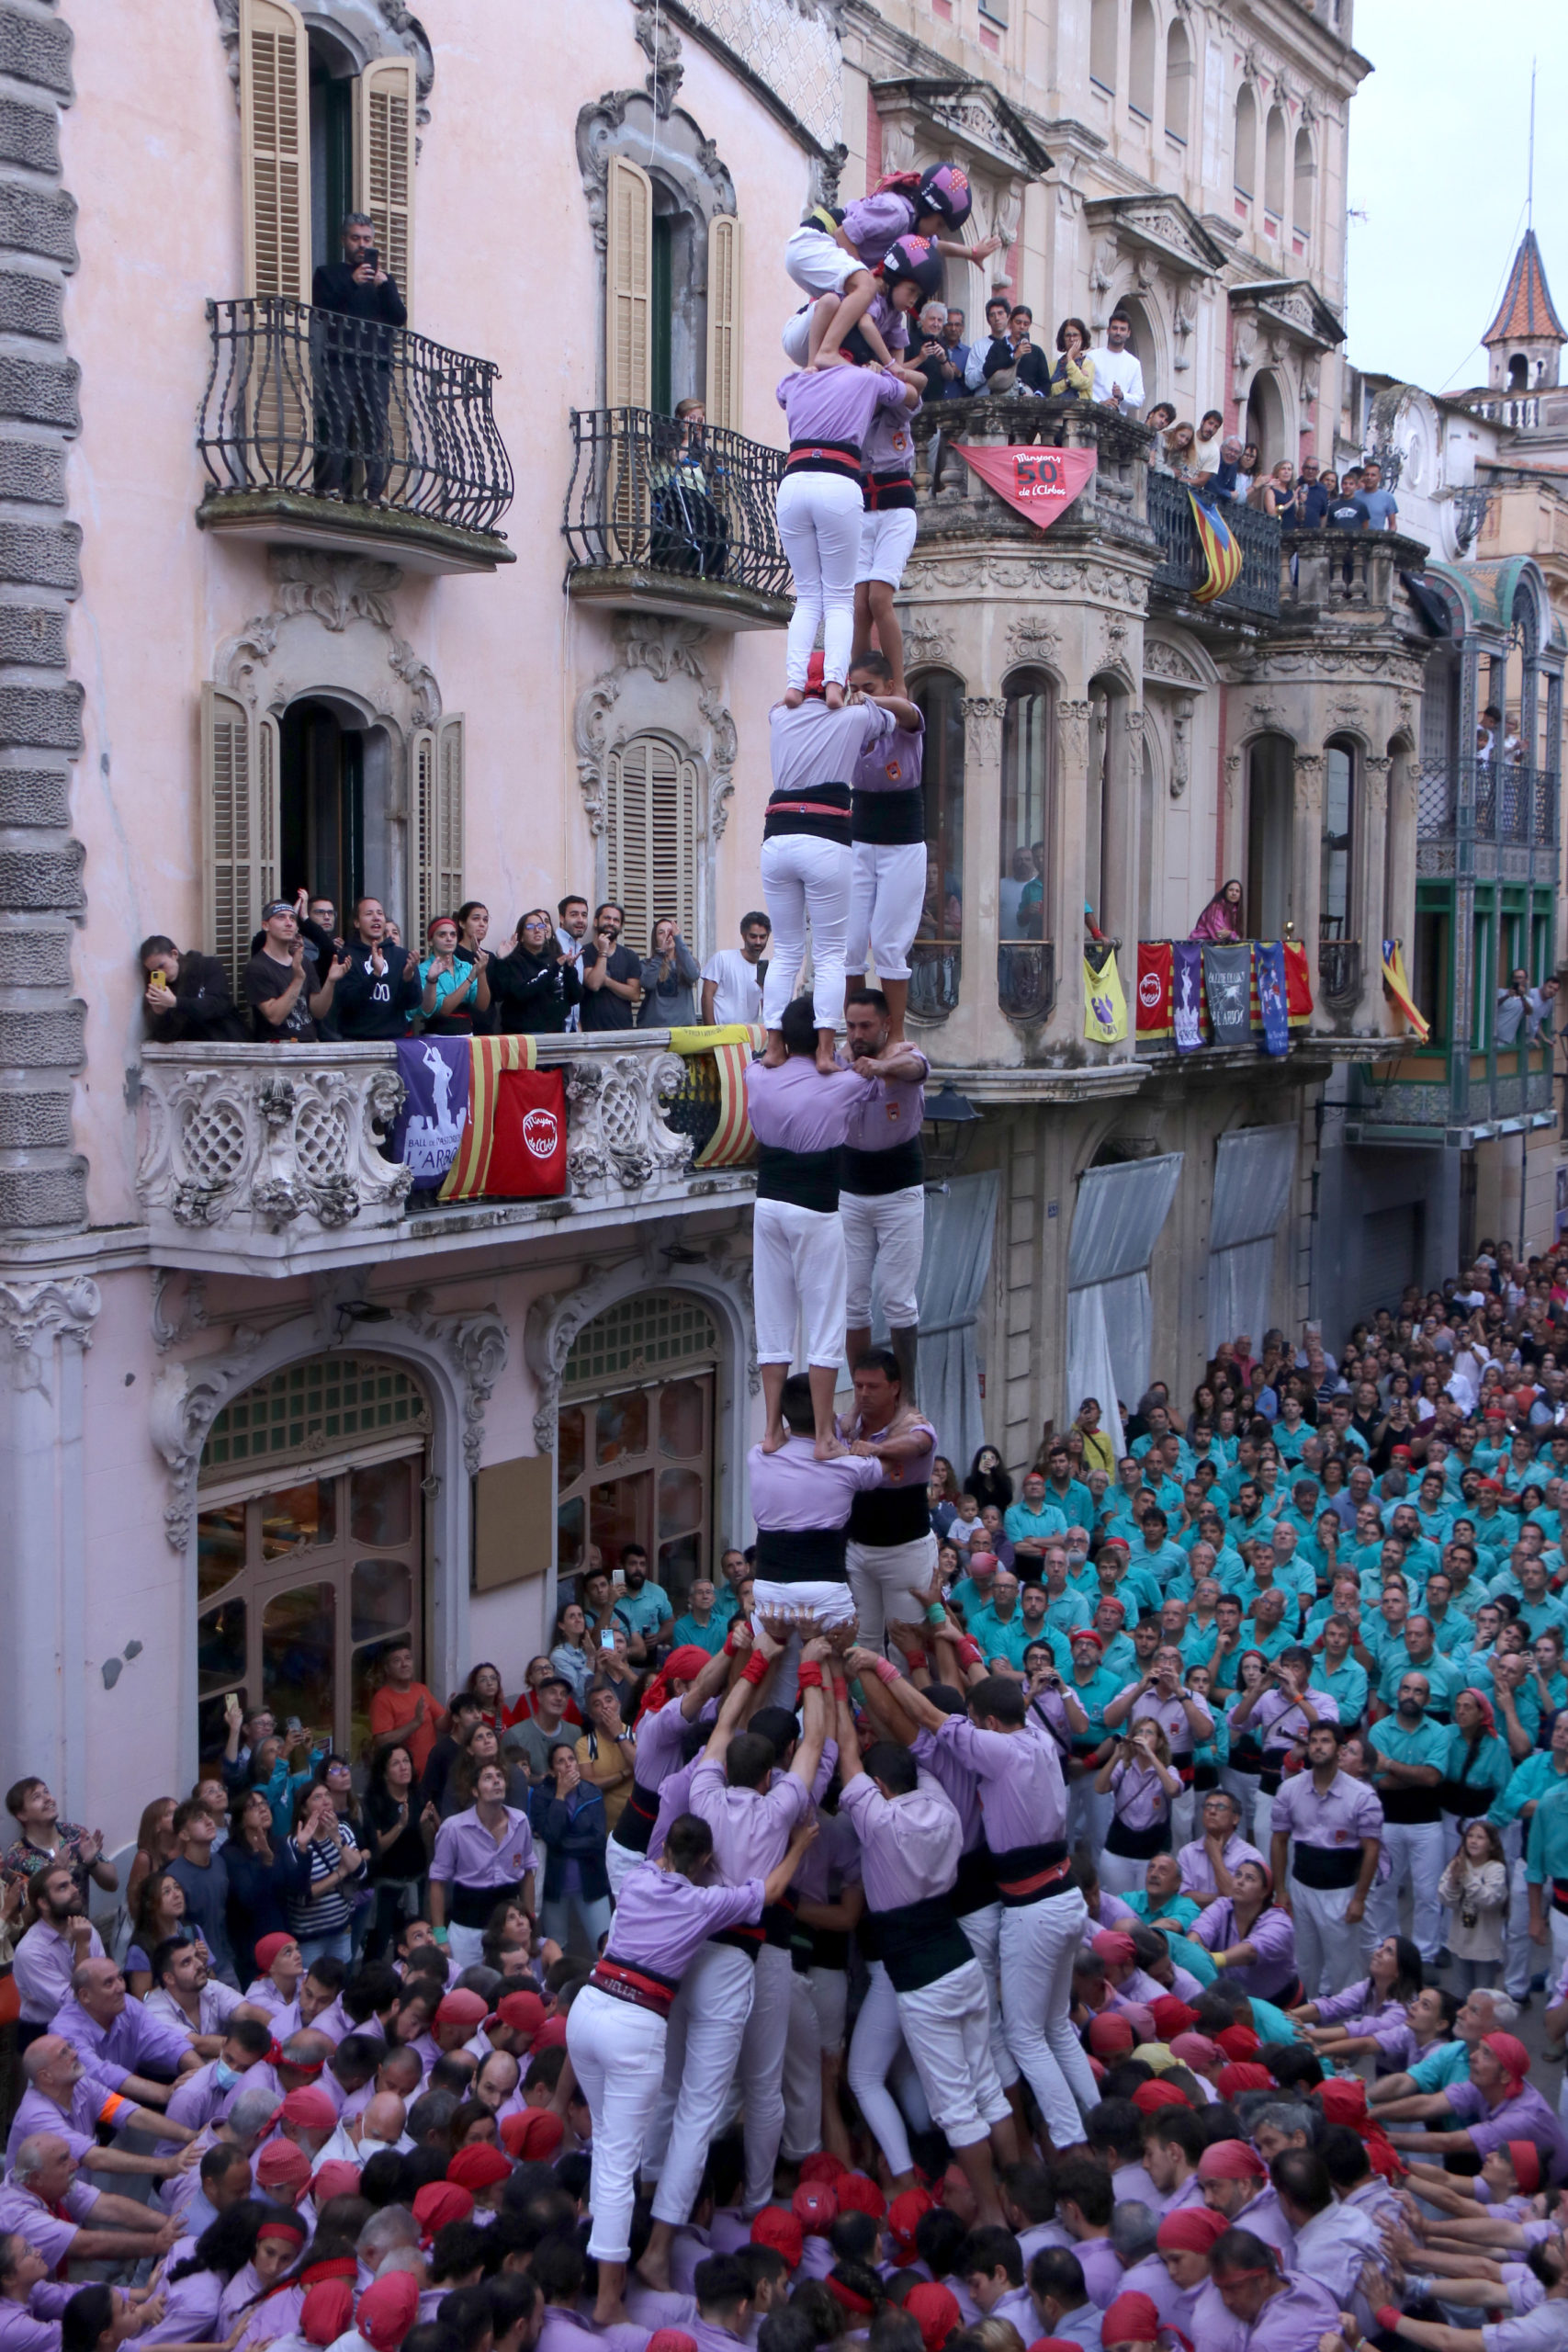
x,y
293,1724
607,1640
373,258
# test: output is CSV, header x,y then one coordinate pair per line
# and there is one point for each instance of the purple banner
x,y
1187,995
428,1128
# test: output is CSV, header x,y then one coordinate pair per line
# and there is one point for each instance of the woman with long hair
x,y
400,1834
160,1914
1250,1937
987,1481
155,1844
1179,452
484,1684
320,1914
1220,919
1072,375
507,1931
1478,1766
1394,1975
568,1817
275,2310
535,985
941,1493
1475,1890
194,2287
264,1871
670,972
571,1651
1137,1777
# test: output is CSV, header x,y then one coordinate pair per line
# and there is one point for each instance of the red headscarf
x,y
1116,1949
1524,2157
857,2193
1343,2099
1131,2318
326,2311
388,2310
1150,2097
1172,2017
439,2202
1195,2050
479,2167
1234,2080
336,2179
1511,2055
683,1665
777,2227
1239,2043
1110,2034
1191,2229
533,2136
815,2207
1230,2160
904,2217
822,2166
934,2309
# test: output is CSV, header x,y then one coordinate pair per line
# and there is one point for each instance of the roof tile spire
x,y
1526,312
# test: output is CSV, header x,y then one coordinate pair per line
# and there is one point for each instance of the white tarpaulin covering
x,y
1116,1223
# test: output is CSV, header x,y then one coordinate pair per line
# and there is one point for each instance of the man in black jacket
x,y
1016,350
357,303
381,986
188,997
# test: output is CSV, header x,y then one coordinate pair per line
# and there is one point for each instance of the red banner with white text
x,y
1041,484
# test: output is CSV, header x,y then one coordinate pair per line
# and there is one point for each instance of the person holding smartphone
x,y
612,975
354,364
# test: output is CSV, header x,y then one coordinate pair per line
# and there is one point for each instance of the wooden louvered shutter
x,y
383,164
275,134
238,826
628,286
650,838
437,798
722,394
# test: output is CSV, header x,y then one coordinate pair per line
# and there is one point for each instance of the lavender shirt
x,y
872,223
465,1850
792,1489
1295,2321
663,1920
674,1798
794,1108
1198,1879
961,1784
752,1827
909,1845
657,1744
1280,1724
891,1114
1139,1796
1272,1936
91,2102
38,2224
889,445
34,2326
45,1961
1525,2116
1172,1716
838,403
1339,1816
816,745
117,2050
1020,1776
190,2314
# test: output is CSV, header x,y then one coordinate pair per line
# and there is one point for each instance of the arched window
x,y
1141,50
1177,80
1245,164
1339,841
940,699
1028,734
1518,373
1304,187
309,1549
1270,819
1102,31
1274,162
651,836
633,1451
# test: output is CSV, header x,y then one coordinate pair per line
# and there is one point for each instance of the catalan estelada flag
x,y
1221,551
490,1059
1398,987
733,1048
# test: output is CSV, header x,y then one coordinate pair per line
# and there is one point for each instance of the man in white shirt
x,y
733,976
1117,374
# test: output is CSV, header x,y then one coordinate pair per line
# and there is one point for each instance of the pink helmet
x,y
945,189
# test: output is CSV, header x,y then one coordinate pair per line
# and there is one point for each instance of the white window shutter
x,y
650,838
238,826
628,286
275,137
722,399
449,815
422,798
384,163
436,798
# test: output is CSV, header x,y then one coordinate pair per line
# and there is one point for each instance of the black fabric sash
x,y
807,1180
871,1174
922,1942
890,819
802,1555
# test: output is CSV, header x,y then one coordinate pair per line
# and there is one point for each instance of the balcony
x,y
1425,1101
269,1160
1256,593
1154,1010
935,973
323,431
957,507
1350,574
663,518
1339,975
1486,821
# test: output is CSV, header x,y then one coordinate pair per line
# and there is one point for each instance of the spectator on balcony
x,y
1521,1006
1275,494
1312,498
979,350
612,975
1160,419
1247,472
535,985
1226,479
930,355
1118,378
1072,378
1176,453
472,920
282,983
1380,507
1220,919
670,972
381,985
958,352
1014,883
1014,362
1206,449
733,976
1343,511
453,991
353,375
188,997
571,912
324,914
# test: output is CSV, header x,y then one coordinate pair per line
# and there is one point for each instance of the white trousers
x,y
802,2074
1414,1851
797,1275
806,880
618,2054
1039,1943
887,1581
1123,1873
620,1862
706,2027
1521,1953
761,2074
885,898
884,1233
466,1946
1262,1822
1328,1953
1089,1814
818,265
878,2056
947,2027
983,1929
887,540
819,520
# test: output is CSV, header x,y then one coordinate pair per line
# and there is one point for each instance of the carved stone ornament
x,y
1166,662
1033,640
34,1315
1181,745
226,1139
660,44
377,28
1072,731
983,727
927,644
720,1277
624,121
658,683
477,1344
278,655
616,1131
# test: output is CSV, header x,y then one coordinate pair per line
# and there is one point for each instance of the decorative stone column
x,y
1306,866
1064,903
1388,873
46,1328
975,1020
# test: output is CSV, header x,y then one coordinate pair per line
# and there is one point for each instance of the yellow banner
x,y
1104,1004
728,1032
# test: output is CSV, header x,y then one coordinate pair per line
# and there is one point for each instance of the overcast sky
x,y
1438,134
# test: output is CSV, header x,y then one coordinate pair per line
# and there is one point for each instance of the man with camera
x,y
358,303
612,975
1160,1696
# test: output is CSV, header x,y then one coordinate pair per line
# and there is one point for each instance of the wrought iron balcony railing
x,y
1257,589
935,974
1339,971
1491,800
1026,978
683,503
345,409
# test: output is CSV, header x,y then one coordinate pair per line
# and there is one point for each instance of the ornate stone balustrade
x,y
267,1161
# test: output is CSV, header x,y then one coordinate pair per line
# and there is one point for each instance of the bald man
x,y
63,2100
122,2041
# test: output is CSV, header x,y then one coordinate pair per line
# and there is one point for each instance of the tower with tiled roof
x,y
1525,340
